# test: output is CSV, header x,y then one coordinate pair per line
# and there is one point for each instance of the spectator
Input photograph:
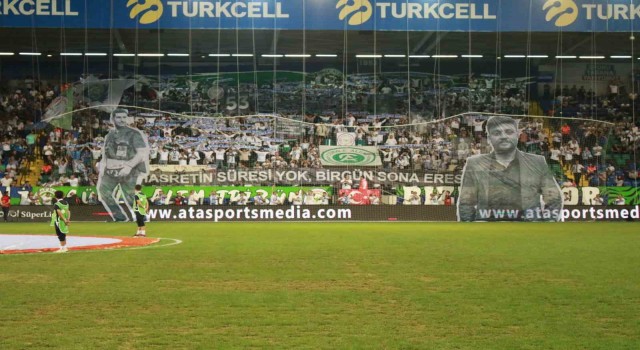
x,y
577,169
5,203
159,198
6,181
346,183
597,200
93,199
194,198
74,181
213,198
258,199
413,198
344,199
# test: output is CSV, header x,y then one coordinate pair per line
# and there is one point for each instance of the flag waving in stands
x,y
100,94
103,94
60,111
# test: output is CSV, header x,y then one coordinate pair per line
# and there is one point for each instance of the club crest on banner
x,y
349,156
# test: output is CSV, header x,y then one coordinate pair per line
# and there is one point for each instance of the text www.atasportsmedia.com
x,y
609,213
246,213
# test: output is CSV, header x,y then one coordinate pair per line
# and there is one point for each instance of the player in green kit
x,y
140,208
60,219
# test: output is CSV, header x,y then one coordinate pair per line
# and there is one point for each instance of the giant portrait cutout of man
x,y
508,184
124,163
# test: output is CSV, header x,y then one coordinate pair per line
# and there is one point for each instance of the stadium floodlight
x,y
298,55
6,54
621,56
591,57
271,55
537,56
242,55
368,56
150,55
219,54
326,55
419,56
178,55
471,56
444,56
123,55
29,53
95,54
514,56
70,54
566,57
395,56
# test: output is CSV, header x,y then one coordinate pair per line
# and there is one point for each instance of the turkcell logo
x,y
565,12
562,12
150,11
358,11
349,156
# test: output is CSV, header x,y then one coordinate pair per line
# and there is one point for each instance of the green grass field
x,y
330,286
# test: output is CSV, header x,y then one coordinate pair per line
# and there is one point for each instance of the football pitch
x,y
330,286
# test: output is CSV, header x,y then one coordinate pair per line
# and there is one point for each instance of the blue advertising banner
x,y
399,15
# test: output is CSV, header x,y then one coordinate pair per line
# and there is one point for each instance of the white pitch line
x,y
172,243
17,245
175,242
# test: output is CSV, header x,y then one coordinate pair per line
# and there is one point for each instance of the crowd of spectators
x,y
580,152
427,95
617,102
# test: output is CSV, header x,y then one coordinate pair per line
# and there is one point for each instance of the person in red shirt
x,y
566,132
5,202
448,200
